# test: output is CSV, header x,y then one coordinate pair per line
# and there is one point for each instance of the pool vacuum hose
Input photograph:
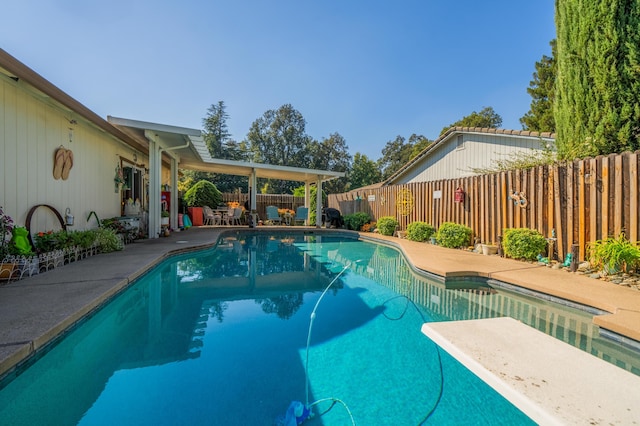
x,y
298,412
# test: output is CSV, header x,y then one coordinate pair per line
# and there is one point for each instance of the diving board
x,y
550,381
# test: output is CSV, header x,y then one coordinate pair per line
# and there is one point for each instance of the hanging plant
x,y
119,178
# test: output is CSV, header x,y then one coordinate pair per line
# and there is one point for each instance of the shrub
x,y
523,243
84,239
108,240
419,231
203,193
453,235
387,225
613,254
356,221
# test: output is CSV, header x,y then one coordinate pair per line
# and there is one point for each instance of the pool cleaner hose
x,y
298,412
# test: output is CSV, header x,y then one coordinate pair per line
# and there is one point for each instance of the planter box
x,y
195,213
489,250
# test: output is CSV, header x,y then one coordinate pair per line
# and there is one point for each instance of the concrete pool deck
x,y
36,310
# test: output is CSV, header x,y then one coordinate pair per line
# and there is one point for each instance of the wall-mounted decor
x,y
62,163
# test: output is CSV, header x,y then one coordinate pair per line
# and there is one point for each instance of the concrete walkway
x,y
36,310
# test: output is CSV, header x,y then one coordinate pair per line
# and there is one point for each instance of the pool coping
x,y
621,306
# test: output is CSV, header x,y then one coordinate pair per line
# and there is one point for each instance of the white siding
x,y
31,129
447,161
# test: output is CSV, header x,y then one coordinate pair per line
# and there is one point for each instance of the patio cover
x,y
187,149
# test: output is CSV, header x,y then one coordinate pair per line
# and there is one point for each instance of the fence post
x,y
500,252
574,258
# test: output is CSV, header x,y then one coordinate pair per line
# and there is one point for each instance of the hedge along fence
x,y
576,202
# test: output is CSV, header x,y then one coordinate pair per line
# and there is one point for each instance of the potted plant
x,y
164,218
489,249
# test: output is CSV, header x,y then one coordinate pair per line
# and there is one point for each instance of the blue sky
x,y
368,70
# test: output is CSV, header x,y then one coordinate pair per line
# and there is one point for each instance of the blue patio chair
x,y
302,214
273,216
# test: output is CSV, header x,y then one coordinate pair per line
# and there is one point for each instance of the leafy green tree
x,y
279,138
540,118
331,154
363,172
419,143
486,118
597,103
395,154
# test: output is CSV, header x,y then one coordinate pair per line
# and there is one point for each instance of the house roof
x,y
196,155
458,130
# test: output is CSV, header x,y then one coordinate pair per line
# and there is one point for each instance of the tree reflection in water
x,y
254,265
283,306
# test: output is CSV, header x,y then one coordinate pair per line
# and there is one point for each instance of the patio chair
x,y
208,217
273,216
236,216
302,214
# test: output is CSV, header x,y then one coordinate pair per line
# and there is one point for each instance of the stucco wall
x,y
31,129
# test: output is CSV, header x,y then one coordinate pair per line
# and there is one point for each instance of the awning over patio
x,y
187,150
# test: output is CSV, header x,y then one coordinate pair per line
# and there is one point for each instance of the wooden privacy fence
x,y
282,201
570,203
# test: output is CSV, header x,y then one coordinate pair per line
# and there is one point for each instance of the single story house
x,y
57,155
461,149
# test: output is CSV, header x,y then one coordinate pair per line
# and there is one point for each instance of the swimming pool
x,y
219,337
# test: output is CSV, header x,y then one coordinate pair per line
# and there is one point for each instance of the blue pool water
x,y
219,338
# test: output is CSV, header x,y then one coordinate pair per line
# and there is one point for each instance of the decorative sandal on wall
x,y
68,164
58,162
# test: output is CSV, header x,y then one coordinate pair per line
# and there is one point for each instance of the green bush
x,y
108,240
614,254
523,243
355,221
419,231
387,225
453,235
203,193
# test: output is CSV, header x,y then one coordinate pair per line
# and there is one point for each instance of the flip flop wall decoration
x,y
68,164
62,163
58,162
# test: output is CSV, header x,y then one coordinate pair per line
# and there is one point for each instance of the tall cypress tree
x,y
597,105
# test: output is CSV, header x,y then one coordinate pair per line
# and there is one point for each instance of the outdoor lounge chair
x,y
302,214
273,216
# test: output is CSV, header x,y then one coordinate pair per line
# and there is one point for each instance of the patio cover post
x,y
253,181
307,200
174,195
319,202
155,176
